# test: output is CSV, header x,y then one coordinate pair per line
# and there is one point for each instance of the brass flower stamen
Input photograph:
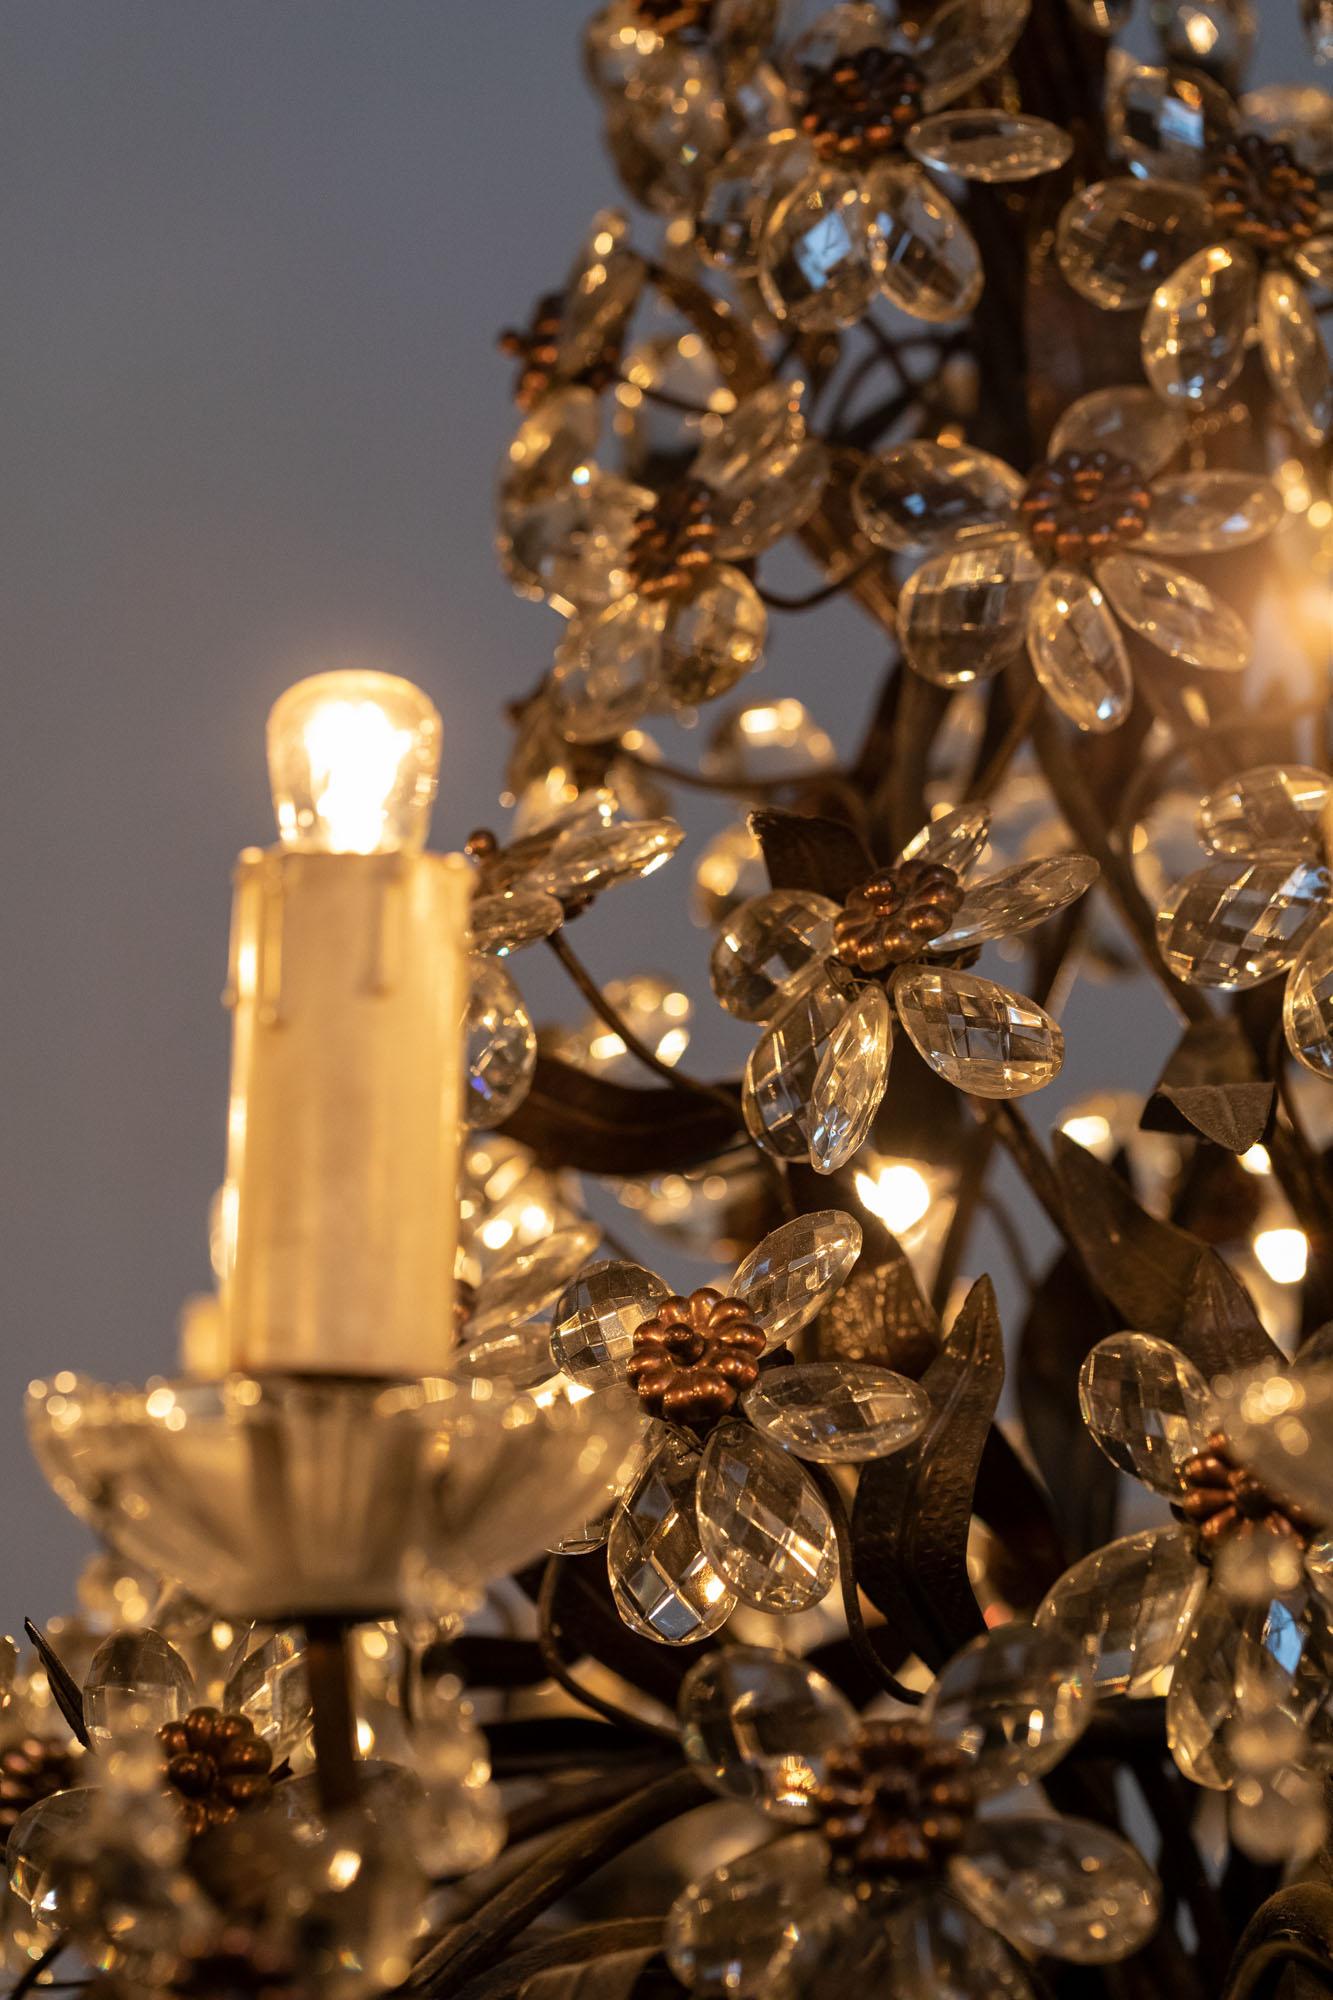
x,y
30,1770
217,1766
672,537
861,105
893,916
695,1357
1082,503
896,1802
1223,1497
1259,193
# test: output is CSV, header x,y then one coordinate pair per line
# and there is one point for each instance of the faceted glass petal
x,y
752,176
953,839
1117,240
734,1931
1276,806
963,615
936,1950
1130,423
925,256
1307,1004
1147,1406
780,1076
1175,612
1203,1696
271,1688
794,1272
592,1330
963,41
1013,1701
1077,652
1280,1423
503,924
501,1046
1057,1885
759,435
816,262
714,634
584,861
1295,355
850,1081
1165,120
759,1725
989,145
976,1035
763,1522
519,1355
1131,1603
765,947
1193,337
837,1412
135,1682
1207,511
664,1585
607,669
1234,924
1016,899
531,1277
925,496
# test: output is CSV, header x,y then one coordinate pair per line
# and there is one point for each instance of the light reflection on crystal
x,y
963,614
1077,652
1065,1886
978,1035
791,1275
1147,1406
664,1585
758,1726
837,1412
1132,1603
850,1081
1233,923
1176,612
763,1524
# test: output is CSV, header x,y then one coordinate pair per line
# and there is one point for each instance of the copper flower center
x,y
860,105
672,537
893,916
1260,193
1222,1497
895,1802
30,1770
216,1764
1082,503
536,348
695,1357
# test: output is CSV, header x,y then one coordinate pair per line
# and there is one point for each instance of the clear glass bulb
x,y
353,759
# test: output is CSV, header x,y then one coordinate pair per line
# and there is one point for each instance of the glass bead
x,y
1275,806
1147,1406
963,41
952,839
585,860
963,614
1129,423
1295,355
1131,1603
1179,615
1117,240
817,254
1307,1003
784,1065
988,145
733,1931
1014,1701
595,1318
1077,652
136,1682
501,1046
925,256
1194,331
713,636
1206,512
1164,121
271,1688
1058,1885
924,497
504,924
664,1584
766,947
607,668
1016,899
758,1726
1233,923
851,1079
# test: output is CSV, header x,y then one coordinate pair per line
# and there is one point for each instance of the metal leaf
x,y
802,852
1065,1318
64,1688
1210,1085
880,1316
572,1119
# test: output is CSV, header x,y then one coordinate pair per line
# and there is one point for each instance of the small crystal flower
x,y
577,333
1218,231
719,1507
1044,563
827,981
906,1876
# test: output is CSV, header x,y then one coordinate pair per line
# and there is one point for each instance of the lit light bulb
x,y
1283,1253
353,758
898,1193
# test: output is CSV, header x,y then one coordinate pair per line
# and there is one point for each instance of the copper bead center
x,y
1258,192
896,1802
672,537
696,1357
1082,503
1222,1497
893,916
861,105
216,1764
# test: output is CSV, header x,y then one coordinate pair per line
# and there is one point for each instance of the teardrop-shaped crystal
x,y
1295,355
1147,1406
817,263
924,496
963,41
135,1683
504,924
1234,924
985,145
606,672
530,1277
501,1046
1016,899
714,634
780,1076
1131,1603
271,1688
763,441
1193,336
764,948
592,1331
585,860
953,839
759,1726
1203,1694
747,181
599,295
850,1081
837,1412
925,256
1064,1886
1206,511
664,1585
1013,1701
793,1273
519,1355
763,1522
977,1035
1177,613
1077,652
933,1948
1117,240
1280,1425
1130,423
36,1842
1276,806
963,615
1307,1004
1164,120
734,1931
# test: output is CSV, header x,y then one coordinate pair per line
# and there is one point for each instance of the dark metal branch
x,y
333,1713
862,1642
776,601
549,1632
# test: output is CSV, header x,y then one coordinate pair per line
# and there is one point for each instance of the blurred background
x,y
257,255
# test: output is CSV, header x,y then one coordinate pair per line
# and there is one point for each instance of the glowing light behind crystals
x,y
1283,1253
897,1192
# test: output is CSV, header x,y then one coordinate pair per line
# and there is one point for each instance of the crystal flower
x,y
826,982
1058,562
577,333
1218,230
905,1875
1262,905
719,1506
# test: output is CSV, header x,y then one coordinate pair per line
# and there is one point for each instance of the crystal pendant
x,y
1274,806
925,256
665,1586
1203,512
1130,423
976,1035
763,444
1131,1603
934,1949
924,497
531,1277
759,1725
1165,120
817,268
518,1355
1147,1406
271,1688
1117,240
588,859
793,1273
836,1412
1234,923
751,178
1280,1423
135,1683
1013,1701
1175,612
989,145
783,1066
963,614
963,41
714,635
35,1844
1058,1885
1193,337
503,924
1203,1695
763,1523
593,1327
501,1046
1016,899
1077,652
733,1931
1295,355
953,839
765,947
850,1081
606,672
1307,1004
